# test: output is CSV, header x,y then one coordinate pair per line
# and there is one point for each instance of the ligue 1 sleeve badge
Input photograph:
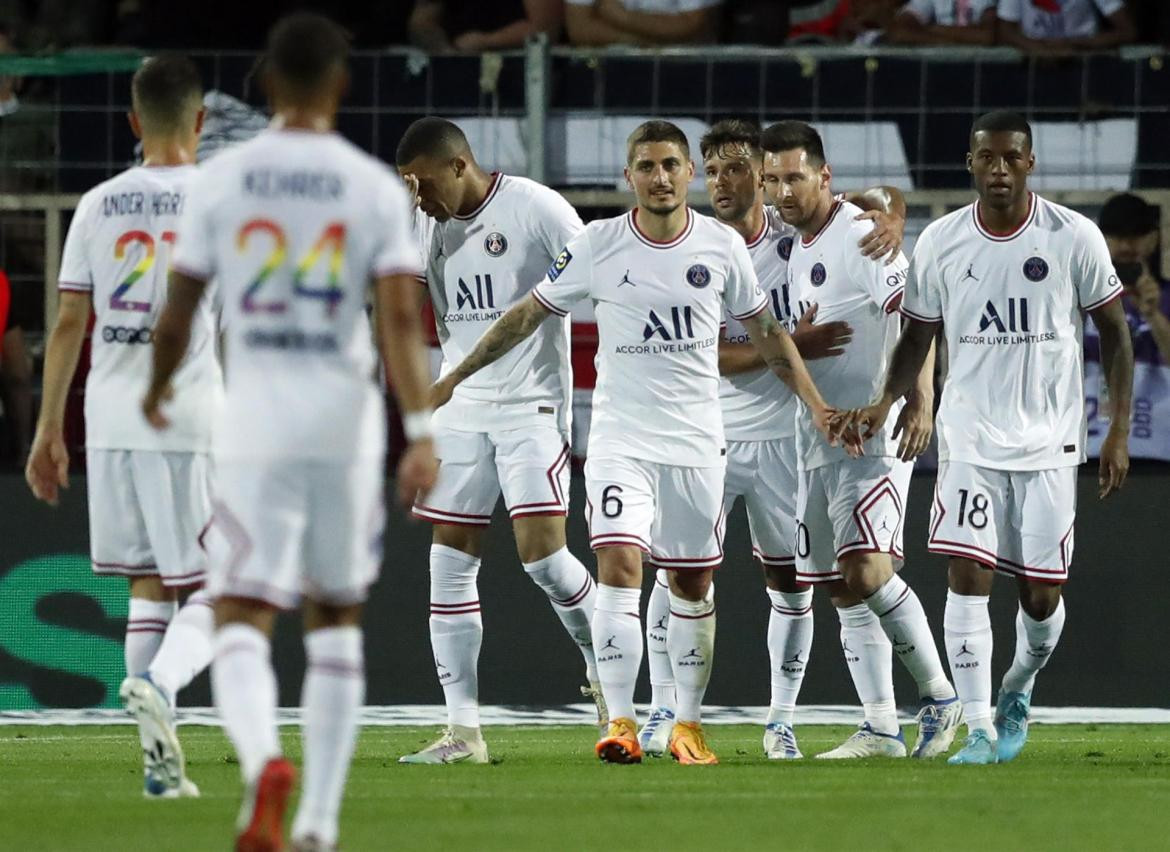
x,y
699,276
1035,269
495,244
817,274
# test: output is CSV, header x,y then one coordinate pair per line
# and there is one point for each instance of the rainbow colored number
x,y
275,261
332,239
118,302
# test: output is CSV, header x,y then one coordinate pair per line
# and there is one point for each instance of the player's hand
x,y
1114,462
417,472
152,406
822,417
441,392
411,181
885,240
820,341
853,428
48,465
915,425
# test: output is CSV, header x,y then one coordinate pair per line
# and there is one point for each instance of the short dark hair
x,y
304,47
1127,215
1001,121
731,132
790,135
430,137
657,131
166,91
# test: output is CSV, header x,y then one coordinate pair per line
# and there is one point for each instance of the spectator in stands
x,y
1062,26
1130,226
944,22
473,26
602,22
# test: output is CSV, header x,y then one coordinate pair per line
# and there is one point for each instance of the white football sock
x,y
572,593
790,633
657,627
691,645
1035,642
871,665
332,696
456,632
186,647
244,686
617,640
967,632
904,621
145,627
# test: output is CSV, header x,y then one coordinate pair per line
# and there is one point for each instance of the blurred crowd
x,y
1036,26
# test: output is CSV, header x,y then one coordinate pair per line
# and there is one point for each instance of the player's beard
x,y
733,214
662,208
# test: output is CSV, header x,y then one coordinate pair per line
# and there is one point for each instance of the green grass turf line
x,y
1075,787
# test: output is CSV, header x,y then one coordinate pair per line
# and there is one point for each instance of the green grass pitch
x,y
1101,787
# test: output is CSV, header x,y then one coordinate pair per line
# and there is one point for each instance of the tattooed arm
x,y
779,352
521,320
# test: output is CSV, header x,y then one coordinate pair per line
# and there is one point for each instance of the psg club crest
x,y
495,244
818,274
784,248
699,276
1035,269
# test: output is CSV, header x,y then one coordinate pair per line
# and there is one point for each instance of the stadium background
x,y
559,114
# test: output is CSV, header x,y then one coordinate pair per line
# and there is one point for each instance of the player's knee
x,y
967,577
1039,600
230,610
690,585
538,537
320,615
865,573
465,539
782,578
619,566
150,589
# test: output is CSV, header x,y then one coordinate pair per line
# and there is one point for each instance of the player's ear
x,y
1031,161
690,170
970,160
826,174
135,125
629,183
458,165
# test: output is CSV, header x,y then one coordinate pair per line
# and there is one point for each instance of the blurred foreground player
x,y
1009,277
294,225
148,491
660,277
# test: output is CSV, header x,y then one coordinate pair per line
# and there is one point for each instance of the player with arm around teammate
x,y
850,509
660,277
759,423
1009,278
294,225
491,238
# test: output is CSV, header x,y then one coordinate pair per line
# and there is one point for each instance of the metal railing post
x,y
536,70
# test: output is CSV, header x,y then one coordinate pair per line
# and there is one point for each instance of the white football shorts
x,y
1019,522
764,474
850,506
530,466
285,528
671,513
146,512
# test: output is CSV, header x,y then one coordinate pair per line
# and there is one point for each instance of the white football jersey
x,y
829,270
1066,19
118,249
480,265
1011,307
294,225
757,406
659,307
949,13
